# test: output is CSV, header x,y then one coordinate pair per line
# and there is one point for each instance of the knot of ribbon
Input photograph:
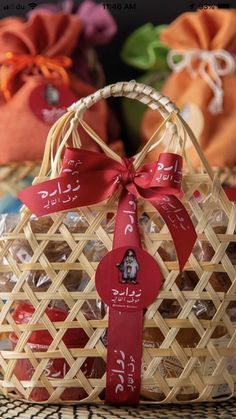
x,y
212,66
12,64
127,176
87,178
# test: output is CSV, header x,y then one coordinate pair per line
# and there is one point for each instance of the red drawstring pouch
x,y
37,85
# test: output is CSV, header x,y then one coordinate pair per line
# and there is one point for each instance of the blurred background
x,y
52,53
155,11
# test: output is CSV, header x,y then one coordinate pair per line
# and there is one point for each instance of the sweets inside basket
x,y
164,329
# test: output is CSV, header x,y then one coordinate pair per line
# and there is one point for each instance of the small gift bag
x,y
98,28
202,59
124,290
38,81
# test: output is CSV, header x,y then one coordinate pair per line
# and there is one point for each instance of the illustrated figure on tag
x,y
52,95
129,267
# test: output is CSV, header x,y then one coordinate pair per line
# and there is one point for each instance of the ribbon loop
x,y
127,176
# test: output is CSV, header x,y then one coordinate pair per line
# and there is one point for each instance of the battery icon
x,y
223,6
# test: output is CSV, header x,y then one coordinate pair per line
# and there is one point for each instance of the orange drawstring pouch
x,y
37,85
202,57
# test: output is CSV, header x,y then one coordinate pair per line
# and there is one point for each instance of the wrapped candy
x,y
40,341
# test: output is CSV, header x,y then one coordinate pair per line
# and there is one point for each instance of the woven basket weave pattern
x,y
193,381
12,176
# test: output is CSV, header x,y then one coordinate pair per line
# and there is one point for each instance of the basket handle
x,y
66,126
148,96
133,90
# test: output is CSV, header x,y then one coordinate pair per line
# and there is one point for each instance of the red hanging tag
x,y
49,102
127,279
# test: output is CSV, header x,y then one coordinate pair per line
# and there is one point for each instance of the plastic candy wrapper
x,y
40,341
56,252
219,281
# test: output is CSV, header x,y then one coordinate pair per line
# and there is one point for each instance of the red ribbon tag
x,y
49,101
128,279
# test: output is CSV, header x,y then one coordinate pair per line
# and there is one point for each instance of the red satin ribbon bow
x,y
89,177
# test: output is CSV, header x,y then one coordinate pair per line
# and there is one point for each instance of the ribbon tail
x,y
125,333
67,192
130,325
179,224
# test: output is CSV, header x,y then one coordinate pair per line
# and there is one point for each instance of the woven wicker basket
x,y
203,366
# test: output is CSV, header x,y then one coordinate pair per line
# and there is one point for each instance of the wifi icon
x,y
32,5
